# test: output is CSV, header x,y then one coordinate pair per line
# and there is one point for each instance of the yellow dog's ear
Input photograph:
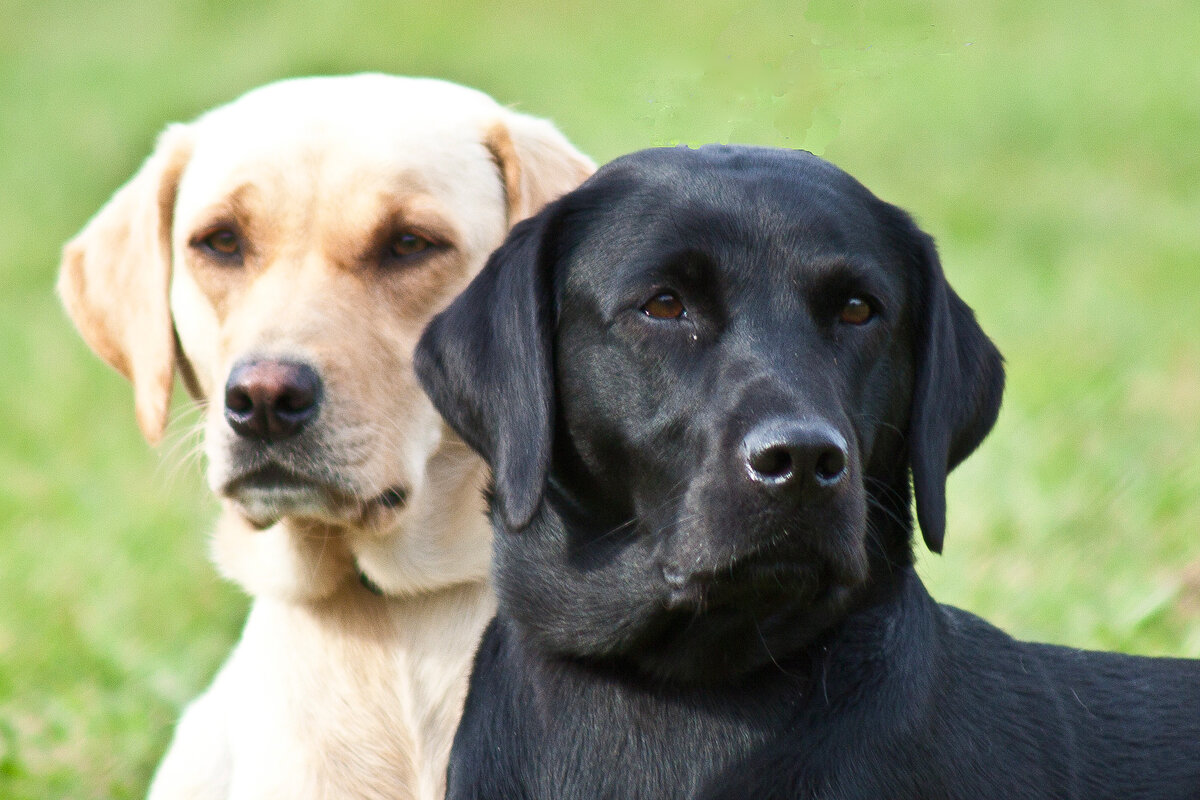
x,y
536,162
115,278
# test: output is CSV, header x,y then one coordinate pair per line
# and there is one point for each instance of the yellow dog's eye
x,y
857,311
408,244
223,242
664,306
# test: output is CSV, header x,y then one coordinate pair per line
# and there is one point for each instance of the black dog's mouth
x,y
744,585
777,570
716,625
720,630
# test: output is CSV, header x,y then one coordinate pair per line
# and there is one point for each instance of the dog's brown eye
x,y
408,244
856,311
223,242
664,306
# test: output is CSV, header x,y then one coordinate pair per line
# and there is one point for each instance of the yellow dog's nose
x,y
271,400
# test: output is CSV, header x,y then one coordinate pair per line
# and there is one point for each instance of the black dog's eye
x,y
857,311
221,242
407,244
664,306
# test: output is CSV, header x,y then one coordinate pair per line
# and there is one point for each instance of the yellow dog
x,y
282,254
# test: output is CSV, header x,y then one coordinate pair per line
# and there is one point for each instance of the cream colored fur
x,y
332,691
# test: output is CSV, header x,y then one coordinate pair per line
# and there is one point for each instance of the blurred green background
x,y
1053,149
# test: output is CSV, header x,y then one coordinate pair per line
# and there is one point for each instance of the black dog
x,y
703,381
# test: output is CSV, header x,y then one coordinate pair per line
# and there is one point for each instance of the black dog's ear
x,y
956,394
485,363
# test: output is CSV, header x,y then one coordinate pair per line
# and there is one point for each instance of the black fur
x,y
703,528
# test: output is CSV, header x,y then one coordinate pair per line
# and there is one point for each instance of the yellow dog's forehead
x,y
337,150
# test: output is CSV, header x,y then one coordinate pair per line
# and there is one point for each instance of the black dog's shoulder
x,y
1094,724
492,735
1132,720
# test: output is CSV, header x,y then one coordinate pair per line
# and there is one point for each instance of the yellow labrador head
x,y
282,253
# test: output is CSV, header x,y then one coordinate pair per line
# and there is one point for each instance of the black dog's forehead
x,y
783,208
771,182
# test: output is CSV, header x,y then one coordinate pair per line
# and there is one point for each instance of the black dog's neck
x,y
889,635
889,537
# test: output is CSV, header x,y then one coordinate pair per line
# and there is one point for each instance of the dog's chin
x,y
263,508
720,628
738,607
267,496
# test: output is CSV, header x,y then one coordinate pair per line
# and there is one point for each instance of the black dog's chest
x,y
572,732
535,729
658,747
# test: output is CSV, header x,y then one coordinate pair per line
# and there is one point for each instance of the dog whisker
x,y
872,419
767,650
878,485
634,521
887,511
184,442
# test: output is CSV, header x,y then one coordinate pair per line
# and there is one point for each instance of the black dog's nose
x,y
800,455
271,400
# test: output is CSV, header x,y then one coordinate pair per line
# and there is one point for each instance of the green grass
x,y
1050,147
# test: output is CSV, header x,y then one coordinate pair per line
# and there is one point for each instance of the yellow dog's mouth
x,y
269,493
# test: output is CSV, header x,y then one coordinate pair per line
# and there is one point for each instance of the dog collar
x,y
368,584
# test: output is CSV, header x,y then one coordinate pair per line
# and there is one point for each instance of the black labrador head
x,y
702,382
